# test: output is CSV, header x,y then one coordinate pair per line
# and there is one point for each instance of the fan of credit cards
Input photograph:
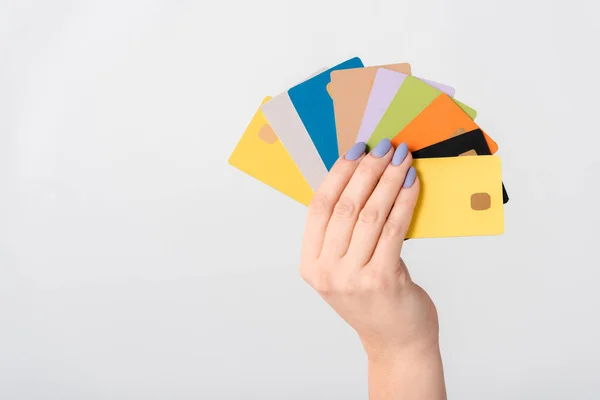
x,y
294,139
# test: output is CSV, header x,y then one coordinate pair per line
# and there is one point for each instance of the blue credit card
x,y
315,108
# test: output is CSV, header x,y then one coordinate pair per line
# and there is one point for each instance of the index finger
x,y
325,198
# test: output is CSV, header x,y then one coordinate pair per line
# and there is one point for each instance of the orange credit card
x,y
441,120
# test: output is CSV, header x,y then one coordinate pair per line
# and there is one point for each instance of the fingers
x,y
325,198
353,199
378,207
397,224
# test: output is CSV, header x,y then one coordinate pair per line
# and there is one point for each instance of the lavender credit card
x,y
385,86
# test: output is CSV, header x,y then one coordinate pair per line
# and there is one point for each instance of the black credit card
x,y
471,143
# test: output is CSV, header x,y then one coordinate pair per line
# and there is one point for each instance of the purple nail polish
x,y
382,148
400,154
411,175
356,151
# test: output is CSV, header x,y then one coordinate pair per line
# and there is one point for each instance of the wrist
x,y
399,355
418,344
408,373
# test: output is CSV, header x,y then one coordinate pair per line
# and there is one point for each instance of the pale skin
x,y
351,255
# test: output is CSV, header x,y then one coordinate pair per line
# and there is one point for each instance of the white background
x,y
136,263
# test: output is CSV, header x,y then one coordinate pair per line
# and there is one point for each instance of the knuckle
x,y
321,277
345,286
369,215
389,179
344,208
367,169
305,273
393,228
322,284
375,282
319,204
402,202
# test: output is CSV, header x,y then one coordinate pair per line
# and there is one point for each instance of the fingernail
x,y
411,175
356,151
382,148
400,154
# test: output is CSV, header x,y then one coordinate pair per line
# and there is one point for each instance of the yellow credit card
x,y
261,154
460,196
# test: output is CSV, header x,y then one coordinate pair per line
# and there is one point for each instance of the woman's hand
x,y
356,225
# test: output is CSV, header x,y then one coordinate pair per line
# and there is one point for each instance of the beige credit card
x,y
349,89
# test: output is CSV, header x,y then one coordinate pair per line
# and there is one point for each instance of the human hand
x,y
355,229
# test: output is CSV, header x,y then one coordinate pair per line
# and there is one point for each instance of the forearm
x,y
407,375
